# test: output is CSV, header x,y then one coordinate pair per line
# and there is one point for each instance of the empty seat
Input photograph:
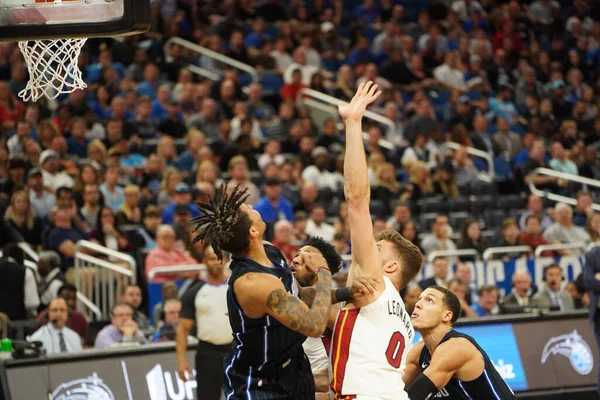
x,y
459,204
494,218
458,219
427,220
377,208
434,205
482,203
513,202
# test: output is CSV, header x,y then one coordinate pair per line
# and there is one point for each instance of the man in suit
x,y
481,139
551,295
520,294
440,273
591,279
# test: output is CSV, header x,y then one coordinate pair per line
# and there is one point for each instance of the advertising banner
x,y
126,376
500,272
540,354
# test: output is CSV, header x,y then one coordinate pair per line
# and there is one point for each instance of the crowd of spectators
x,y
122,162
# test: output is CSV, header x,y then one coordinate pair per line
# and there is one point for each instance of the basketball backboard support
x,y
38,19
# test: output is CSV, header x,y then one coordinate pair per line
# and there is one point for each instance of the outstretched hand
x,y
365,95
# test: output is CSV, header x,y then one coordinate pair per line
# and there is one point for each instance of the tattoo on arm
x,y
293,313
307,295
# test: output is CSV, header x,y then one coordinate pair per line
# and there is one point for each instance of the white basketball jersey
x,y
369,348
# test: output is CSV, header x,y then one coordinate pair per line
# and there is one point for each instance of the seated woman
x,y
106,234
444,181
421,184
20,217
130,212
471,238
387,187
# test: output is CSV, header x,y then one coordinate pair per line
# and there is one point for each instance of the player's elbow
x,y
357,193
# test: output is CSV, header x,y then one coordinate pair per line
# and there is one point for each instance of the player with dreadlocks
x,y
268,316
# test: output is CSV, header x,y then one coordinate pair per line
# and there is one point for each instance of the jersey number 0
x,y
395,349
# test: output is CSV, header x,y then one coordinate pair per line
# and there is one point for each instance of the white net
x,y
52,66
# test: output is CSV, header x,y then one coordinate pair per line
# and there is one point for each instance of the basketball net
x,y
52,66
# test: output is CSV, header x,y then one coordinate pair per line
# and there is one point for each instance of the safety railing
x,y
486,176
31,253
209,53
175,269
506,250
101,274
560,246
567,177
453,253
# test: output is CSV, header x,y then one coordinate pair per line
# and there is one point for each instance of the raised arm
x,y
260,294
365,256
359,288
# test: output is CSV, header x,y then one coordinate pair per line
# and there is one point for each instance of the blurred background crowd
x,y
161,126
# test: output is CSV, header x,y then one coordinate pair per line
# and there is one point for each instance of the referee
x,y
205,303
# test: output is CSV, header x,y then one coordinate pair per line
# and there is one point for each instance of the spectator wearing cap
x,y
273,207
181,224
16,143
16,177
318,173
40,198
113,193
167,254
509,142
145,236
64,235
502,105
53,179
182,196
560,162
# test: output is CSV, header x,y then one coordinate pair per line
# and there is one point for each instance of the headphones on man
x,y
546,268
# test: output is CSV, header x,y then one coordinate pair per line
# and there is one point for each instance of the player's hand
x,y
363,286
184,371
312,261
365,95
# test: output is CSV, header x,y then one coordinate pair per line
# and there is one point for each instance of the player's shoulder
x,y
456,346
256,282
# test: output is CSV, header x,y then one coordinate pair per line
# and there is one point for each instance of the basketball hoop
x,y
52,66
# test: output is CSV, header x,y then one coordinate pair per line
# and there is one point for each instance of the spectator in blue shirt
x,y
272,207
186,160
77,144
488,301
63,237
361,53
159,105
183,195
367,13
254,40
501,105
94,71
149,87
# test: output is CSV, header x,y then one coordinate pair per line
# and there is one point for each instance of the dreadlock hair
x,y
222,225
334,260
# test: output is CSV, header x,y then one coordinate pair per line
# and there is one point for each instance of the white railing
x,y
505,250
100,281
89,305
567,177
31,253
560,246
326,103
483,175
453,253
175,269
209,53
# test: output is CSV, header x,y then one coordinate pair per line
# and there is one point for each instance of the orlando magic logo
x,y
90,388
574,348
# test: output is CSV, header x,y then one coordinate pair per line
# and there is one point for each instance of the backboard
x,y
39,19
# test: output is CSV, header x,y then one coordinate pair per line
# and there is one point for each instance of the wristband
x,y
422,388
320,268
342,294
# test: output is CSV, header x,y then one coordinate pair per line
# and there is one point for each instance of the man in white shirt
x,y
52,178
448,75
316,225
55,336
563,230
318,173
440,236
40,198
300,63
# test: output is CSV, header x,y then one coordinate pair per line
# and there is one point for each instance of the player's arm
x,y
184,326
365,255
260,294
447,359
412,370
360,287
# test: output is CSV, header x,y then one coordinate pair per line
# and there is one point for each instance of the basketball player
x,y
447,361
373,334
205,302
268,320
